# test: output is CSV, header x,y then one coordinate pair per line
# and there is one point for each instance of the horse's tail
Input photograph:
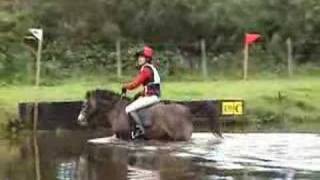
x,y
213,118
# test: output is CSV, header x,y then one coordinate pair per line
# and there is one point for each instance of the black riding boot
x,y
140,129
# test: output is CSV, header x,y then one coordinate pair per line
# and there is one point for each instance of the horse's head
x,y
97,103
88,109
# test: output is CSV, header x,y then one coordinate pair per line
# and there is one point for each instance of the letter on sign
x,y
232,108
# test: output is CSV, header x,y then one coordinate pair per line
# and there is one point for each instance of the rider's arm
x,y
142,77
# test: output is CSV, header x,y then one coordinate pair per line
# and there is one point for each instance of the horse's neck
x,y
110,102
118,108
121,104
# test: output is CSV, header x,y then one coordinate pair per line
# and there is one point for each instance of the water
x,y
68,156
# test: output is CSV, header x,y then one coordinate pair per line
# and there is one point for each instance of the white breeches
x,y
142,102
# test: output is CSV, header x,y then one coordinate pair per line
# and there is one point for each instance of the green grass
x,y
282,100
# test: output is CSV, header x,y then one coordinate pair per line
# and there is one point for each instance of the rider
x,y
150,79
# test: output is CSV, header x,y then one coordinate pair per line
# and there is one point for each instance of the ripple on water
x,y
259,151
283,154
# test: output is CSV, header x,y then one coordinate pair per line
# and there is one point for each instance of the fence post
x,y
290,57
204,59
119,63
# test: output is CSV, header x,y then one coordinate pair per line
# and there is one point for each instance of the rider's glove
x,y
123,90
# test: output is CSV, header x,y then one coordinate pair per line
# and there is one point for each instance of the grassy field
x,y
283,100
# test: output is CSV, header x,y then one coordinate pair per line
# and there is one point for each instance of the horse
x,y
166,121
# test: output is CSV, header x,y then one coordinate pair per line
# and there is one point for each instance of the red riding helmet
x,y
147,52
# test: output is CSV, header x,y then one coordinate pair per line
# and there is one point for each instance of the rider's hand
x,y
123,90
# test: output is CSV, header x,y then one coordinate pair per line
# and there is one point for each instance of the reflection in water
x,y
135,173
66,170
240,156
36,156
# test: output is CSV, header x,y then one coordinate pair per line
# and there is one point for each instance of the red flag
x,y
252,38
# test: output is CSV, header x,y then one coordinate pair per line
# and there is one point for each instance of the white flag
x,y
38,33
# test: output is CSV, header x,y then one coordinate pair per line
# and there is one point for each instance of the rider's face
x,y
141,60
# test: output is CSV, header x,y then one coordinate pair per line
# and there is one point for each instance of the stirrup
x,y
140,128
132,135
137,133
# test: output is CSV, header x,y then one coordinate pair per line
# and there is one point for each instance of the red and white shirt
x,y
149,78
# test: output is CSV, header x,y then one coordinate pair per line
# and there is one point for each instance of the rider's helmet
x,y
146,52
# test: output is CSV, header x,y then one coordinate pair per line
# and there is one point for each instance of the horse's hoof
x,y
138,136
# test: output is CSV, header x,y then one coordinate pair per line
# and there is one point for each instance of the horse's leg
x,y
120,124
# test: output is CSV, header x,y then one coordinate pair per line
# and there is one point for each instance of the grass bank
x,y
267,101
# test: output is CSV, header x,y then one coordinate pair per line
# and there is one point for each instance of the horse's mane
x,y
104,94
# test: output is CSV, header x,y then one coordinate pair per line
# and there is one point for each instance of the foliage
x,y
80,35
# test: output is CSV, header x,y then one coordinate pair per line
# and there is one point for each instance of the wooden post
x,y
245,62
37,83
119,63
290,57
204,59
38,63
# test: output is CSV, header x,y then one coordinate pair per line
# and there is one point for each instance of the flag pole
x,y
250,38
245,61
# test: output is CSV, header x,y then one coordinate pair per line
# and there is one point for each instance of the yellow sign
x,y
232,108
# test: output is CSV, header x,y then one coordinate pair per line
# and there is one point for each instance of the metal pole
x,y
245,62
204,59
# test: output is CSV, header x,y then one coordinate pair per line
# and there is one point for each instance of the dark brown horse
x,y
166,121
